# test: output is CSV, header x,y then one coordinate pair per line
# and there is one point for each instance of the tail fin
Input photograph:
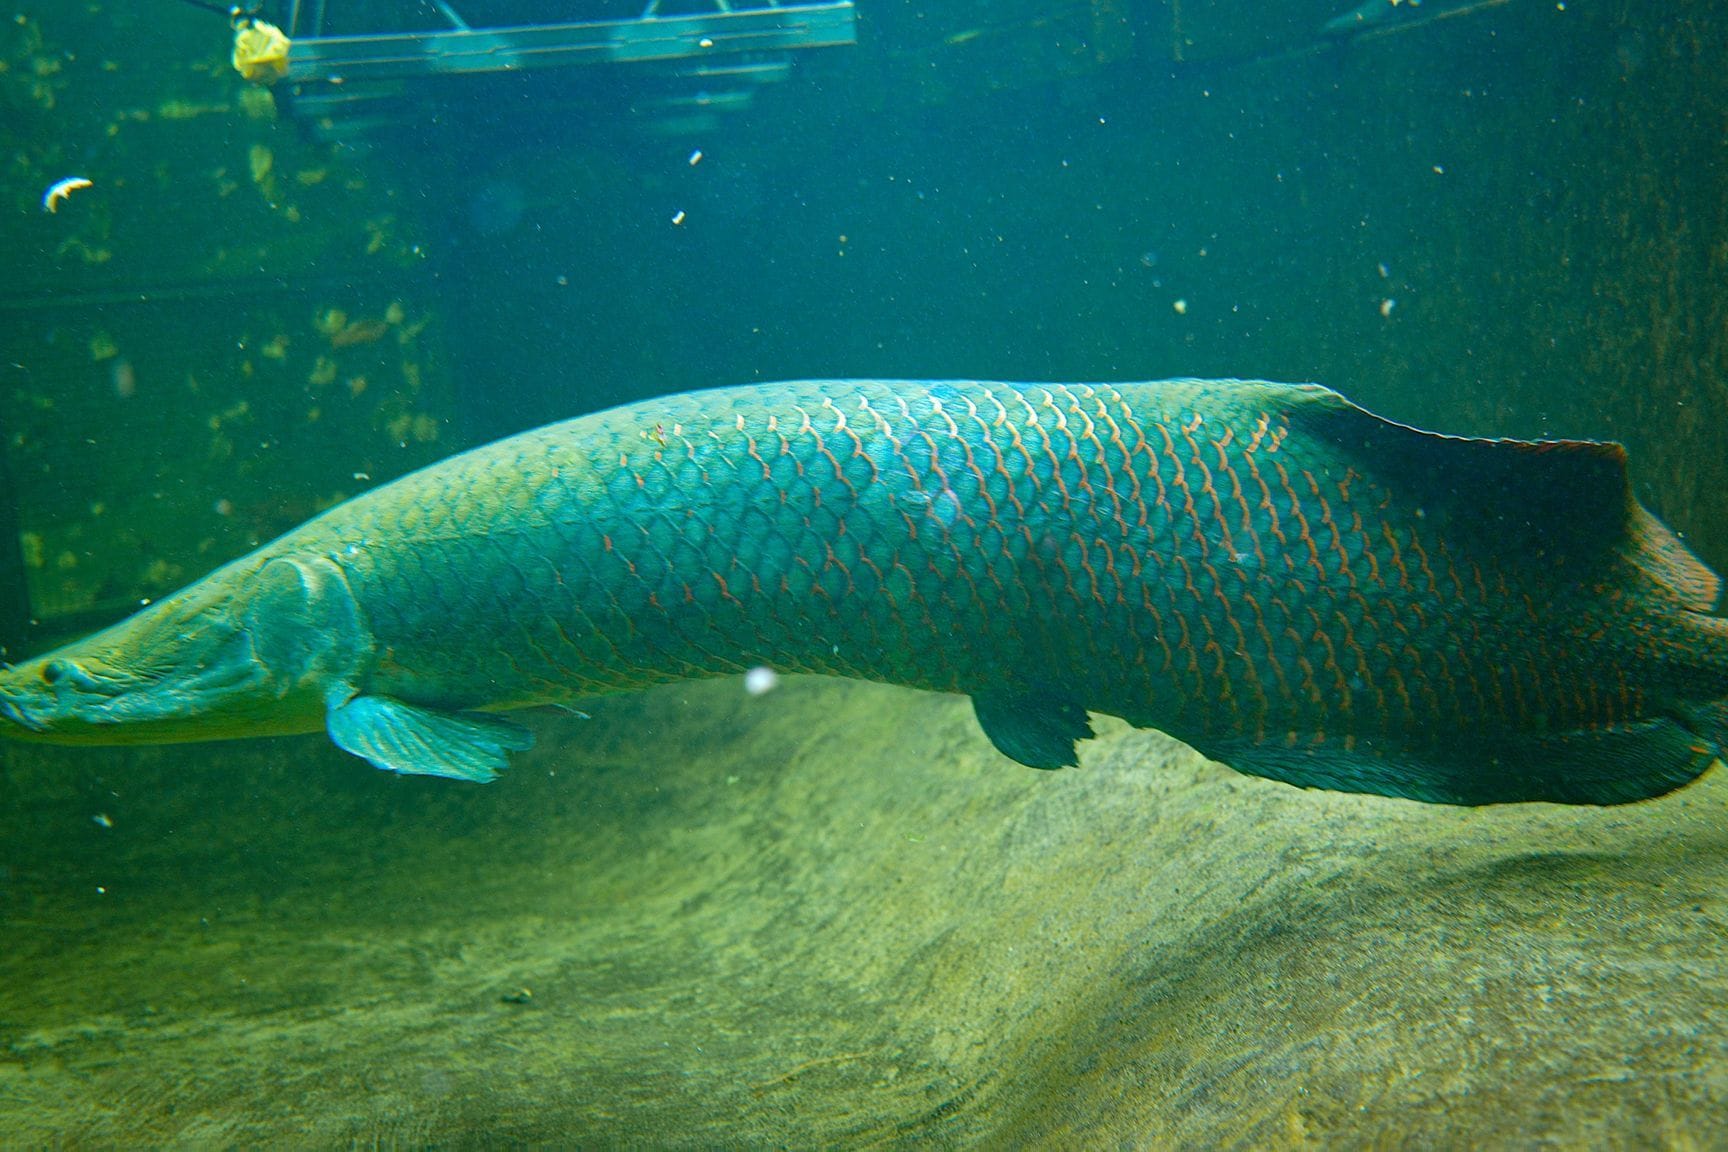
x,y
1661,555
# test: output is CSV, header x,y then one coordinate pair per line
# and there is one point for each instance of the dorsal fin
x,y
1546,500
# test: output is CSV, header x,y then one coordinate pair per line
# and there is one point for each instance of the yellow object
x,y
260,51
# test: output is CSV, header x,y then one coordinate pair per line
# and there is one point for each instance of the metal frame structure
x,y
706,55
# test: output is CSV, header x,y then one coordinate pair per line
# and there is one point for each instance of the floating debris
x,y
257,104
760,681
60,190
187,110
358,332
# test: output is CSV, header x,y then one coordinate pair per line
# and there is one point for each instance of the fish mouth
x,y
13,712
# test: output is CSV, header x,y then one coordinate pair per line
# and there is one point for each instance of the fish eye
x,y
55,671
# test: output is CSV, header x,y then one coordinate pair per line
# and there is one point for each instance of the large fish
x,y
1293,586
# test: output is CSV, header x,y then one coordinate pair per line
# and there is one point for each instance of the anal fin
x,y
1609,765
1035,727
400,737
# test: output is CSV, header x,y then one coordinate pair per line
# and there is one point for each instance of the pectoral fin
x,y
400,737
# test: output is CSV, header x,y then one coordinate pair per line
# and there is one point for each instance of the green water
x,y
832,916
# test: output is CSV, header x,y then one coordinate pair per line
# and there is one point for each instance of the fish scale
x,y
1287,582
691,584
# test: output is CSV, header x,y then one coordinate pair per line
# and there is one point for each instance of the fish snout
x,y
15,710
40,695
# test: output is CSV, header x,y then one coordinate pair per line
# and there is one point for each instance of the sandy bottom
x,y
832,916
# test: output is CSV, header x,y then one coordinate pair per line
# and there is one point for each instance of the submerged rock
x,y
833,915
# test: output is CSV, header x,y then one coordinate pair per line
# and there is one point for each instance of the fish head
x,y
230,656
